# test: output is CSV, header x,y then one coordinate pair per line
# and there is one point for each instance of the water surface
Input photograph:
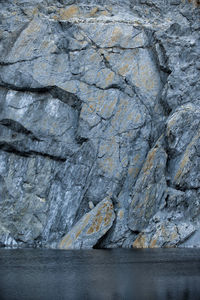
x,y
148,274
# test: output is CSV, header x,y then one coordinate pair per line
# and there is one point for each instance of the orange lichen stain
x,y
82,225
86,109
45,44
195,3
78,233
136,172
138,118
104,13
130,117
93,11
140,242
106,109
116,34
174,236
163,231
107,56
32,28
106,209
35,11
150,160
183,163
70,12
153,243
131,170
108,217
111,105
110,162
55,17
136,158
93,57
121,214
123,70
186,159
110,77
92,108
138,39
96,224
66,242
146,79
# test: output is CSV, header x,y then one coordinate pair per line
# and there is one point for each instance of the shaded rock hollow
x,y
99,105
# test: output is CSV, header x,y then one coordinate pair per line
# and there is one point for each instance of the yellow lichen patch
x,y
108,107
131,170
146,78
74,234
140,242
121,214
94,57
136,158
69,86
108,216
34,27
123,70
70,12
163,231
186,158
78,233
150,161
110,77
55,18
93,11
66,242
116,34
138,39
136,172
96,224
183,163
87,109
196,3
153,243
105,13
102,218
107,164
35,11
137,118
44,44
174,236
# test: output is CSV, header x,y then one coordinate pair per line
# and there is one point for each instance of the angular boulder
x,y
90,228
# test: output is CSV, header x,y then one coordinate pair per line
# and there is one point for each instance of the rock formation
x,y
99,123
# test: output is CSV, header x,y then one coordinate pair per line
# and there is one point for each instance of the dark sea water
x,y
100,274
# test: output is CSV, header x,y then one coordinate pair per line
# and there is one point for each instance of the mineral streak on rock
x,y
99,100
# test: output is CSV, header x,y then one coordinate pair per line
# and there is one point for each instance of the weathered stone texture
x,y
99,100
91,227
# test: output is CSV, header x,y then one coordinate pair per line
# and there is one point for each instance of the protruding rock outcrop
x,y
91,227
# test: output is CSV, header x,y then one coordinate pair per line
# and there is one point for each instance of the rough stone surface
x,y
99,100
91,227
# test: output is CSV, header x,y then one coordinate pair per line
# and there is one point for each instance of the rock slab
x,y
90,228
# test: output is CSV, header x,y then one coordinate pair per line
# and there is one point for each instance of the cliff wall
x,y
99,123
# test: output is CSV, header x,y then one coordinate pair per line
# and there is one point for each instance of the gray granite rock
x,y
90,228
99,100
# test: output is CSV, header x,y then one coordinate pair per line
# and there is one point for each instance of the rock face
x,y
91,227
99,123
